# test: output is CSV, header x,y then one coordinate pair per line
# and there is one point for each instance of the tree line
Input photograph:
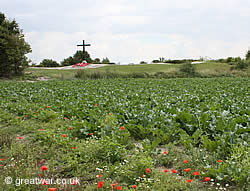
x,y
71,60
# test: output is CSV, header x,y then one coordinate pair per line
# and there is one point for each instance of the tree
x,y
77,58
248,55
105,61
12,48
49,63
97,61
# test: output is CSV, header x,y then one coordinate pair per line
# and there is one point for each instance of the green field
x,y
209,69
128,131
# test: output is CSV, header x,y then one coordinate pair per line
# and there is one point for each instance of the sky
x,y
130,31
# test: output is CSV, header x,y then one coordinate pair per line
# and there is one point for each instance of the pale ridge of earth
x,y
70,67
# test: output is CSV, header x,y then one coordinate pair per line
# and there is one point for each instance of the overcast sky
x,y
133,30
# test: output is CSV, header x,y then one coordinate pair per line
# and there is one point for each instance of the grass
x,y
209,69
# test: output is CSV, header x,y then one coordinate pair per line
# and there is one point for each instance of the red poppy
x,y
91,134
187,169
134,186
190,180
74,147
2,158
196,173
100,184
119,188
70,128
174,171
40,175
142,175
1,165
165,152
44,182
43,168
64,135
75,182
185,161
99,176
40,129
207,179
42,161
219,160
96,105
65,118
48,106
20,138
166,170
147,170
52,189
122,128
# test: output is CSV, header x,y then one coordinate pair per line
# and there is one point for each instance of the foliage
x,y
12,48
188,69
49,63
105,61
77,58
248,55
119,128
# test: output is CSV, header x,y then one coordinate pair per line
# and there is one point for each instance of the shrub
x,y
49,63
188,69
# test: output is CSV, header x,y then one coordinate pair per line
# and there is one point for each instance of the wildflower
x,y
207,179
165,152
70,128
91,134
2,158
119,188
187,169
110,113
40,129
185,161
43,168
143,175
99,176
48,106
134,186
100,184
64,135
166,170
42,108
42,161
20,138
122,128
74,147
96,105
75,182
148,170
52,189
190,180
44,182
76,138
65,118
219,160
196,173
174,171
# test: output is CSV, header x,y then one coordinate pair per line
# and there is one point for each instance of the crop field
x,y
125,134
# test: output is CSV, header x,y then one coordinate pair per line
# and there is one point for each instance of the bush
x,y
49,63
188,69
